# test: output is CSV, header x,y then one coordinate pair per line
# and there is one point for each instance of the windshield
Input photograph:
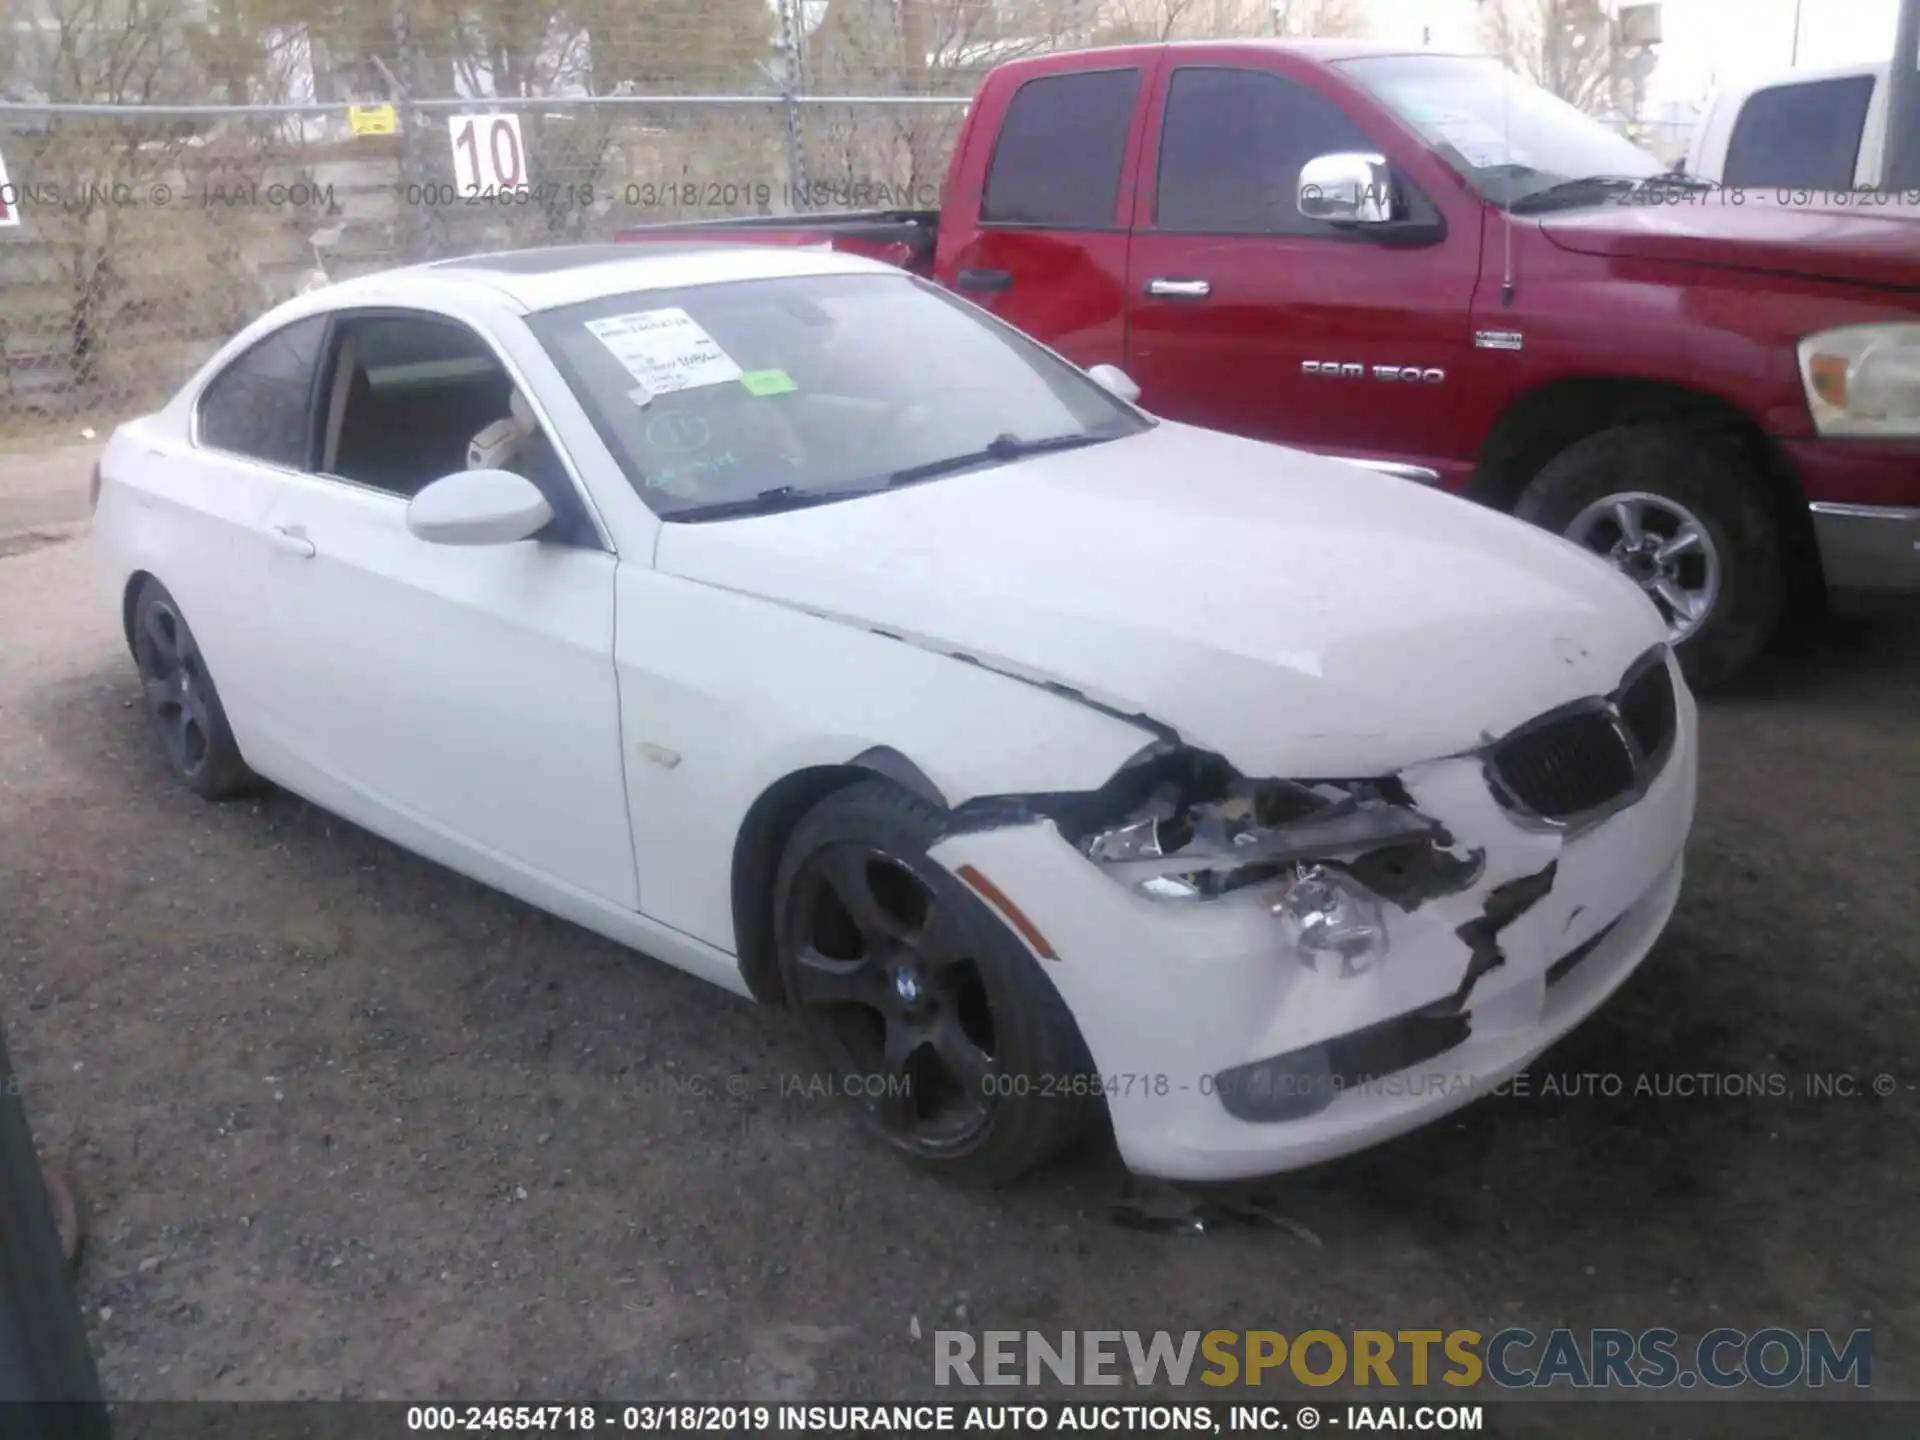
x,y
1508,137
759,395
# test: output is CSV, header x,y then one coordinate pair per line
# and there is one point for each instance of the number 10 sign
x,y
487,154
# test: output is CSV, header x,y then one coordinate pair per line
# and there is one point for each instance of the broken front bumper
x,y
1182,1003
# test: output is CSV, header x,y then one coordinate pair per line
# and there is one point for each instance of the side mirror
x,y
1112,378
1347,189
478,507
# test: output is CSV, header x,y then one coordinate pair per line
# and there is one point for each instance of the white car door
x,y
467,689
196,510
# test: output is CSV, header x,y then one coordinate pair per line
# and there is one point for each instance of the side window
x,y
261,404
1057,161
1807,136
413,398
1232,145
407,398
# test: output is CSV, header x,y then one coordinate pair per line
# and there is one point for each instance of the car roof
x,y
556,275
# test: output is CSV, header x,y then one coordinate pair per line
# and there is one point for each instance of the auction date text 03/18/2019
x,y
935,1419
678,194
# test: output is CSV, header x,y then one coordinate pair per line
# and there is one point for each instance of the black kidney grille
x,y
1646,707
1588,756
1563,767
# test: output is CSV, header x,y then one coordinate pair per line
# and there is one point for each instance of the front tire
x,y
1681,516
181,699
926,1008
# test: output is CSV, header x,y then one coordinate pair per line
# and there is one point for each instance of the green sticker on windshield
x,y
768,382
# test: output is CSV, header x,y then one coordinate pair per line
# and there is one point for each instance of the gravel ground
x,y
346,1124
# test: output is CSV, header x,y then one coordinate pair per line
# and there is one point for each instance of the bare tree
x,y
1319,18
1564,46
1137,22
911,48
90,179
1160,20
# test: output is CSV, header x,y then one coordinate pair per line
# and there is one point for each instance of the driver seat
x,y
501,444
518,444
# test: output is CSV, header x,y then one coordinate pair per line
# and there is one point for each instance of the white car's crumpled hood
x,y
1297,615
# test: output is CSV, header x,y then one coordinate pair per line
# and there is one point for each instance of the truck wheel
x,y
1679,516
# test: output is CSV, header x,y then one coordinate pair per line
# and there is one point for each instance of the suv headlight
x,y
1864,379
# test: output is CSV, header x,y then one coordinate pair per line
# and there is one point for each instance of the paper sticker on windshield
x,y
665,350
1478,142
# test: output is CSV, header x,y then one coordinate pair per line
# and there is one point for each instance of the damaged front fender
x,y
1502,937
1179,823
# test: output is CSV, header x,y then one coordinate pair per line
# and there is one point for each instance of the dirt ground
x,y
345,1124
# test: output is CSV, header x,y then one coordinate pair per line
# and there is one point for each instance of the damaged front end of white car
x,y
1274,971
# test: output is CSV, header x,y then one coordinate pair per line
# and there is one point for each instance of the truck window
x,y
1807,136
1231,149
1057,161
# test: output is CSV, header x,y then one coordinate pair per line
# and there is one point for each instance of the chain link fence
x,y
145,238
170,168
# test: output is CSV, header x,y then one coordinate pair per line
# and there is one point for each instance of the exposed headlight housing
x,y
1180,825
1864,380
1334,924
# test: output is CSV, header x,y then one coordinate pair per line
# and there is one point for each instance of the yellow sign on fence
x,y
373,119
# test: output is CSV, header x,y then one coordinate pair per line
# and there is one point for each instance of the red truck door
x,y
1034,226
1246,316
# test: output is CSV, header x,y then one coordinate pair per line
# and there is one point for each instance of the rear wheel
x,y
181,699
927,1010
1683,518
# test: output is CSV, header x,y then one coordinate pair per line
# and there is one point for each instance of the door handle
x,y
990,280
290,538
1180,289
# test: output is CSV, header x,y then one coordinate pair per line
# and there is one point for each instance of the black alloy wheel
x,y
881,973
181,699
928,1011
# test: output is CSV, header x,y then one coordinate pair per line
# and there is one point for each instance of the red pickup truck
x,y
1424,264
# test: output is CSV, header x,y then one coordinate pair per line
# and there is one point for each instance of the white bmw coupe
x,y
783,617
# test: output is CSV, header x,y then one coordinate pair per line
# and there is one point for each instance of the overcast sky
x,y
1706,41
1734,40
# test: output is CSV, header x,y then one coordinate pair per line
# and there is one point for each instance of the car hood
x,y
1300,616
1864,248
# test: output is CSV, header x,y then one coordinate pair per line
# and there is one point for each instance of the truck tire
x,y
1680,515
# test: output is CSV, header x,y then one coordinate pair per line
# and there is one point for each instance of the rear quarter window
x,y
261,405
